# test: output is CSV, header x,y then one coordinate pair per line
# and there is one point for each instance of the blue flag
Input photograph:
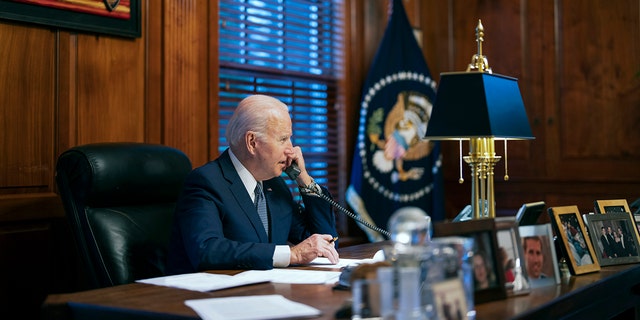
x,y
393,166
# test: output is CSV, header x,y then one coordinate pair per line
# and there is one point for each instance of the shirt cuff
x,y
281,256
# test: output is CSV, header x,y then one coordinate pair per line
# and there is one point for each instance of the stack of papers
x,y
261,307
202,281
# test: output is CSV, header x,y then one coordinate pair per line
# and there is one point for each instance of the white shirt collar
x,y
247,178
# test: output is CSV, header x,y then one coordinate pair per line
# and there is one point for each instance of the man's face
x,y
534,258
274,147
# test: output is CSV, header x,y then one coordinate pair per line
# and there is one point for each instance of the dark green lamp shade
x,y
476,105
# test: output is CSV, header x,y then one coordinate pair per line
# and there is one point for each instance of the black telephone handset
x,y
293,171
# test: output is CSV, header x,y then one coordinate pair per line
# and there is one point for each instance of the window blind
x,y
291,50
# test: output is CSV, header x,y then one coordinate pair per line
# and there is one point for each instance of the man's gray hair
x,y
252,114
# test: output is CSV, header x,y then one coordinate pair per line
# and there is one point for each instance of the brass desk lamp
x,y
479,106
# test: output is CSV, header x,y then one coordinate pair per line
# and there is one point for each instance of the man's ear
x,y
251,140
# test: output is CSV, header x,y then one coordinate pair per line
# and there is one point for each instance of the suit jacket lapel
x,y
236,187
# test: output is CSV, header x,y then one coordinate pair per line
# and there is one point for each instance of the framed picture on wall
x,y
489,281
576,244
614,237
113,17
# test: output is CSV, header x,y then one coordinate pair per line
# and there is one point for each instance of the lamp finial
x,y
479,62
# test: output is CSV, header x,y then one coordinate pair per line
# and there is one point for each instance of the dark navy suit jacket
x,y
216,225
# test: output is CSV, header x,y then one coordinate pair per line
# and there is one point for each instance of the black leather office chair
x,y
119,199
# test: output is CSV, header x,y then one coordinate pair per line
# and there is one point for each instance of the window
x,y
291,50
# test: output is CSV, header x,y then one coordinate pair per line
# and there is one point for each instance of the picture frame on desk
x,y
511,256
615,205
449,299
488,274
530,213
614,237
540,256
575,241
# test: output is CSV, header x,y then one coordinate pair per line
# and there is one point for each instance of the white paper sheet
x,y
250,308
322,262
202,281
292,276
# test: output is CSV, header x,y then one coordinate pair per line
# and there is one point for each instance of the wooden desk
x,y
614,292
149,300
599,295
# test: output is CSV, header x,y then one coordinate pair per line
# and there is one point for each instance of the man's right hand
x,y
317,245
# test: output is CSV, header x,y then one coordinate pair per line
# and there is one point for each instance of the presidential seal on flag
x,y
394,167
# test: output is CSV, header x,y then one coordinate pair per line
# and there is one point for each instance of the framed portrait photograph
x,y
449,299
488,274
576,244
539,252
510,255
614,237
616,205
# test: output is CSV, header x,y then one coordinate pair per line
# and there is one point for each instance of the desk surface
x,y
613,288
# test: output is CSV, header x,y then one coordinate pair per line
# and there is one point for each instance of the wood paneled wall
x,y
578,69
61,89
577,65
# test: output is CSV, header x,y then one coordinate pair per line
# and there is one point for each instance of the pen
x,y
333,240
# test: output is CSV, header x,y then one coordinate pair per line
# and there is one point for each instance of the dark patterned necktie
x,y
261,206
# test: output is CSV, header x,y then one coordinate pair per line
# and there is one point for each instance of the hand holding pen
x,y
317,245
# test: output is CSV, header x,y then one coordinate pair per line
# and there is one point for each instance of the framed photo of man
x,y
576,244
615,238
539,255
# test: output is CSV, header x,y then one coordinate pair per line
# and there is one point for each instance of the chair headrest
x,y
115,174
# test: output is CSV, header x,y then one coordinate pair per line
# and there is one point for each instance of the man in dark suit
x,y
612,242
606,245
626,243
217,223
